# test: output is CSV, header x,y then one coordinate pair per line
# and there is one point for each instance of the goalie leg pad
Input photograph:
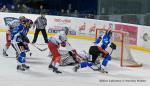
x,y
74,56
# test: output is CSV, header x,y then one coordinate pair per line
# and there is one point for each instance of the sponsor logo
x,y
146,37
57,29
62,20
8,19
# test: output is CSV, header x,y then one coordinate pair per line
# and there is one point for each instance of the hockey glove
x,y
113,46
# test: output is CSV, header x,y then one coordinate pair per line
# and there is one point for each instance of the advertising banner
x,y
144,37
132,30
138,35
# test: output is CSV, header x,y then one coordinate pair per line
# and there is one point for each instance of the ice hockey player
x,y
96,50
54,44
11,25
105,42
20,40
28,26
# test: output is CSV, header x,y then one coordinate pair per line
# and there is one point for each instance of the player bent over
x,y
19,41
11,26
96,50
54,43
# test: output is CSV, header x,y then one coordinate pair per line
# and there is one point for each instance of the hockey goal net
x,y
122,52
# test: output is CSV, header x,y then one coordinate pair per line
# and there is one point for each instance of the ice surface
x,y
39,75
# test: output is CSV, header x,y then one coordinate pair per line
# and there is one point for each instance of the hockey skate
x,y
56,70
75,69
102,70
4,53
50,66
25,66
19,67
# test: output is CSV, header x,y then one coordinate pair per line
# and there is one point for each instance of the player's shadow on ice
x,y
33,58
37,74
10,57
36,62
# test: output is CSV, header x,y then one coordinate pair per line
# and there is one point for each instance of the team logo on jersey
x,y
9,19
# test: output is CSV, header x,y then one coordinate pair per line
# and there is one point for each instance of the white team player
x,y
54,44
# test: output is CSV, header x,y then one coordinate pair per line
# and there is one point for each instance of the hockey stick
x,y
39,44
39,48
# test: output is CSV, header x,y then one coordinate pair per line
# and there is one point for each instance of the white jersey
x,y
13,24
59,38
55,40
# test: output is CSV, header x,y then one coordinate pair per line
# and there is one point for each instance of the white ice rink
x,y
39,75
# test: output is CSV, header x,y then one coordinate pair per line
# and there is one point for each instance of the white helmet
x,y
62,36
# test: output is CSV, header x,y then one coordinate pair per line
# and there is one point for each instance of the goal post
x,y
122,52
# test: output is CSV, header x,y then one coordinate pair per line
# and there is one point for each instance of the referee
x,y
40,24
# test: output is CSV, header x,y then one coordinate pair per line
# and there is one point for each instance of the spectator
x,y
40,24
67,12
18,8
75,13
12,8
24,9
4,9
41,8
62,13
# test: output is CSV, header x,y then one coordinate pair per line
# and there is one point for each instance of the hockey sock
x,y
21,57
106,59
85,64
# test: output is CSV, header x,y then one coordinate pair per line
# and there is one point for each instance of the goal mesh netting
x,y
122,52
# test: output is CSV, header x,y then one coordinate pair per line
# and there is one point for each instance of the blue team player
x,y
96,49
20,40
105,41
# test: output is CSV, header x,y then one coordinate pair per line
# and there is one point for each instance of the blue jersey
x,y
105,41
20,30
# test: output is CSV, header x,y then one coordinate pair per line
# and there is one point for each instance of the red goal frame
x,y
122,46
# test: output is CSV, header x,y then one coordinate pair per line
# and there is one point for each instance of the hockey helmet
x,y
62,36
21,17
66,30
